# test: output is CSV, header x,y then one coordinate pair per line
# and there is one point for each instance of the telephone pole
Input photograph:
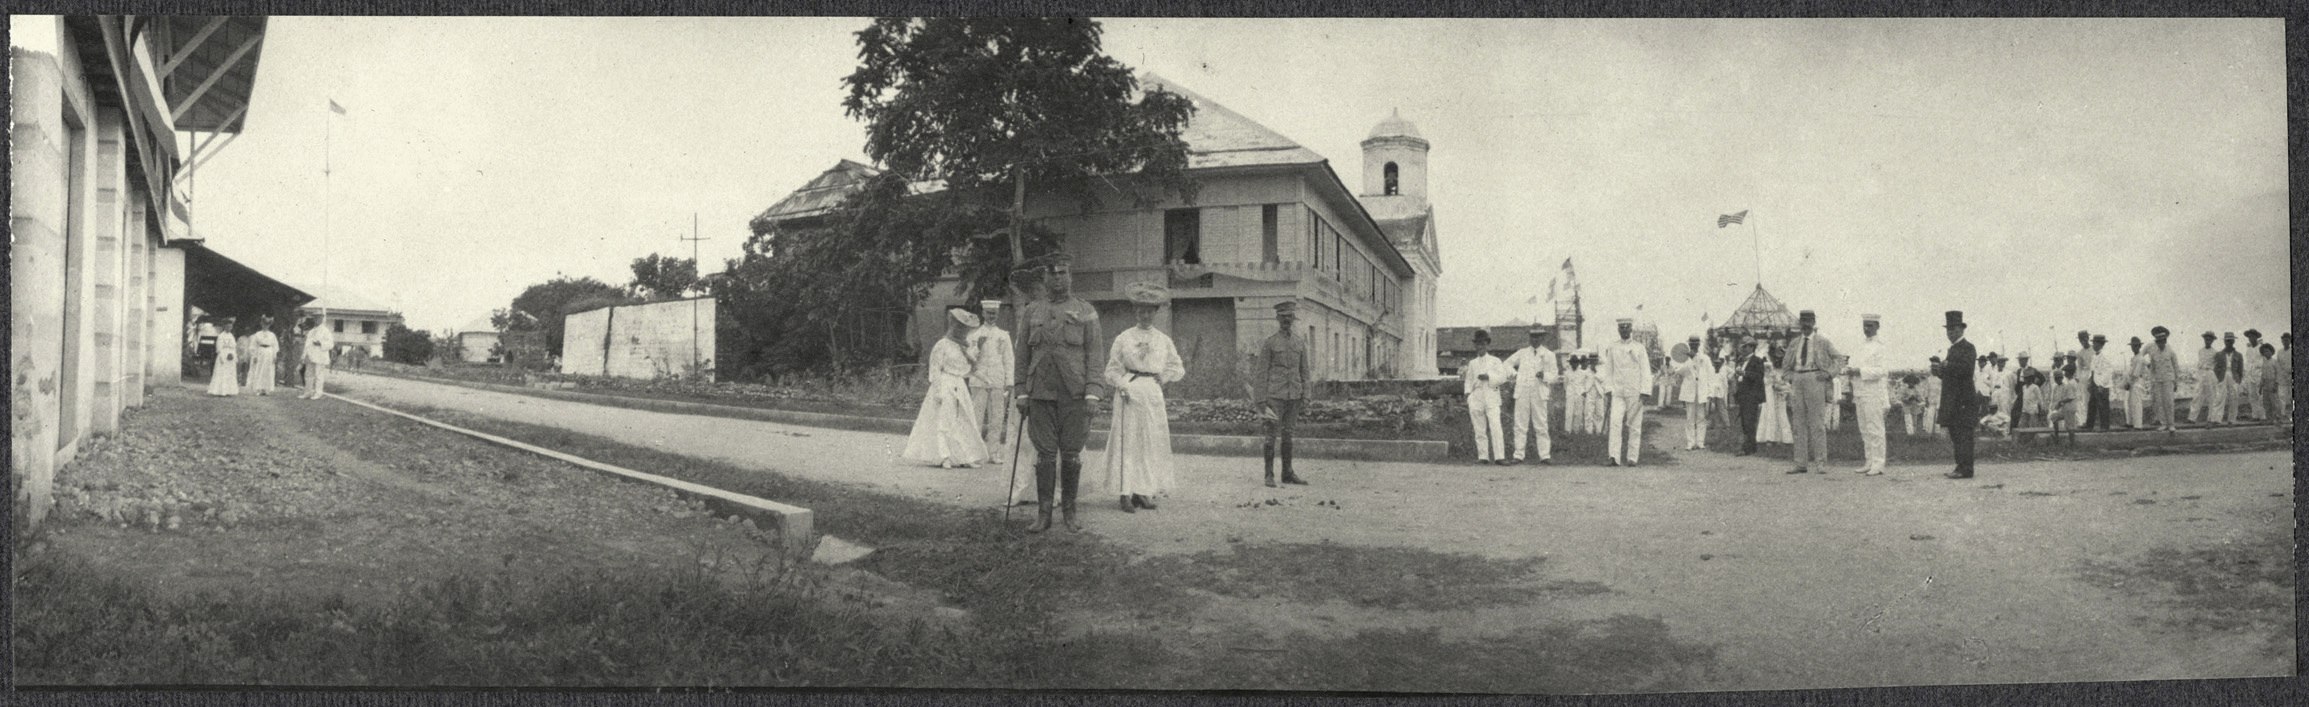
x,y
695,270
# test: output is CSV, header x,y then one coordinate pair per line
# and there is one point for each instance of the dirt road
x,y
2149,568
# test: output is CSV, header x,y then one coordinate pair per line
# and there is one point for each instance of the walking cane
x,y
1016,441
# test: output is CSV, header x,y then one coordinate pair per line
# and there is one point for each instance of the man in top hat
x,y
1627,373
991,376
2204,407
1058,349
1871,393
1812,362
1535,371
2228,379
2164,369
1748,391
1479,380
1959,407
1278,382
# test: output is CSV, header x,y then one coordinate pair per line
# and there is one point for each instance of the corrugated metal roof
x,y
1219,137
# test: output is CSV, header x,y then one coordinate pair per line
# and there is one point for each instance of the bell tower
x,y
1395,159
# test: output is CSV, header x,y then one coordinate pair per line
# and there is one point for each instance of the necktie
x,y
1804,353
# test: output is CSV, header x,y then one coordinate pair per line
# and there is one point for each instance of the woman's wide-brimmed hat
x,y
1148,293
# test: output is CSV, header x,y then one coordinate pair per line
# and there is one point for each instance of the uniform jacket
x,y
1535,370
1057,349
1627,368
2164,366
1959,405
1280,372
991,348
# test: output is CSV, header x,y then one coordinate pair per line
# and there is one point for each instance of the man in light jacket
x,y
1627,373
1871,394
1536,370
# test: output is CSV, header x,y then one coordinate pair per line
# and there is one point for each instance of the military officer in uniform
x,y
1278,383
1058,347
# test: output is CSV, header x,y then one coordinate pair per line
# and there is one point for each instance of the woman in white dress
x,y
1772,424
264,355
945,431
1142,359
224,378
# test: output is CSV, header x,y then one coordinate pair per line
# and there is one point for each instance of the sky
x,y
2044,176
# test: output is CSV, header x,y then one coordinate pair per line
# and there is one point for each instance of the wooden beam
x,y
190,46
221,69
228,140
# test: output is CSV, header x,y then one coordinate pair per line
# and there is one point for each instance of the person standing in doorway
x,y
1138,364
1871,394
1535,371
1279,383
1479,380
1627,373
1959,404
1812,362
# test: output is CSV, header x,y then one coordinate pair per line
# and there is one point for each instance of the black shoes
x,y
1290,478
1127,506
1143,501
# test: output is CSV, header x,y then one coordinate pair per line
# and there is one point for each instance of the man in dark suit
x,y
1749,394
1959,404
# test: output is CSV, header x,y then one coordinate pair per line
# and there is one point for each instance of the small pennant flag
x,y
1729,219
334,108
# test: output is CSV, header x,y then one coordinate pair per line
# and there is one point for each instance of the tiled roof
x,y
821,194
1219,137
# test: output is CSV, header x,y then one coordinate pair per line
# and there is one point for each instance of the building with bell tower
x,y
1395,193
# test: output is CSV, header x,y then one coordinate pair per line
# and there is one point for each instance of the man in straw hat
x,y
1141,360
1812,362
1627,373
1959,404
1871,393
1057,351
1536,370
1278,383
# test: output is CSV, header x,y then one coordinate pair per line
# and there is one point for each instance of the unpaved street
x,y
2032,572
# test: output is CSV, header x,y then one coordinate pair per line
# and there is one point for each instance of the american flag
x,y
1729,219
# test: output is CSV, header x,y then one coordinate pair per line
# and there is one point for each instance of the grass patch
x,y
77,626
2240,586
1371,577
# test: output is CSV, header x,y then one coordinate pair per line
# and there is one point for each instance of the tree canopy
x,y
659,277
542,306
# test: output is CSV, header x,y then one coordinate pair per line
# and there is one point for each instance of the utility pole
x,y
693,303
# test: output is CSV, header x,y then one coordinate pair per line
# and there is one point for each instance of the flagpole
x,y
328,147
1757,241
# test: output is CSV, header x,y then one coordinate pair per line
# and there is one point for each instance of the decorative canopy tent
x,y
1761,316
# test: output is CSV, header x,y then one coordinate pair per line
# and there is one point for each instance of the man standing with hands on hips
x,y
1812,362
1959,404
1278,383
1058,348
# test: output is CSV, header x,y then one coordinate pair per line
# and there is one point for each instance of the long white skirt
x,y
1772,422
1138,449
225,379
946,429
262,370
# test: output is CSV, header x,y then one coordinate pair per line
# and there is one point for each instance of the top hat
x,y
1806,316
1955,318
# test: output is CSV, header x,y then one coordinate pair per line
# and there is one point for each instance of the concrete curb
x,y
1394,450
793,524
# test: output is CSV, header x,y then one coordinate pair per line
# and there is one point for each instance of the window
x,y
1183,236
1338,254
1270,247
368,327
337,325
1314,240
1393,188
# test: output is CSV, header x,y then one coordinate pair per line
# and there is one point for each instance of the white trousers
x,y
2225,398
1531,420
1483,416
994,410
1695,425
2133,399
2202,406
1627,425
1870,409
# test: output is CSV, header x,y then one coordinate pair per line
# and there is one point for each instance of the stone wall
x,y
639,341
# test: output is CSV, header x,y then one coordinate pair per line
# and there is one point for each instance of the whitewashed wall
x,y
638,341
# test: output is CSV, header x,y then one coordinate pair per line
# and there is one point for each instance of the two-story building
x,y
355,321
1271,220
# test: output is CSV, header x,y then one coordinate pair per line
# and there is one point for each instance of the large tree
x,y
661,277
542,306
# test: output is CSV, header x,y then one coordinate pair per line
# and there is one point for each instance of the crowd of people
x,y
990,392
254,357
